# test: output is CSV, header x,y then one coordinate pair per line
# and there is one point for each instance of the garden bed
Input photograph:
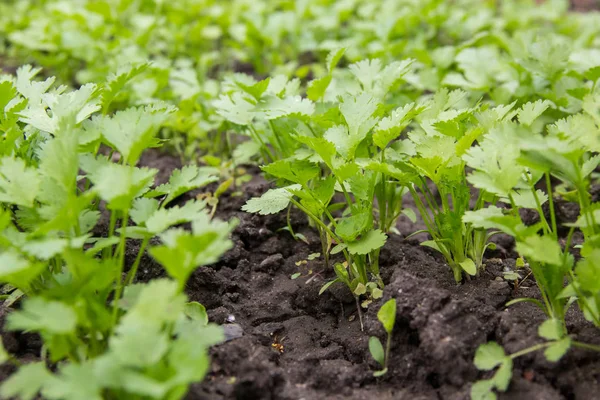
x,y
325,355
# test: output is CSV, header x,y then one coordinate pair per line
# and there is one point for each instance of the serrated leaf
x,y
17,270
274,107
40,315
142,209
551,329
26,382
294,171
540,248
370,241
238,108
19,184
531,111
558,349
334,57
317,87
482,390
488,356
503,375
133,130
164,218
118,184
74,382
272,202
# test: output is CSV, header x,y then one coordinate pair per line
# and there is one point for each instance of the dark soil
x,y
324,354
299,345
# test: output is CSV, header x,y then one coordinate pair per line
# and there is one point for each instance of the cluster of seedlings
x,y
475,111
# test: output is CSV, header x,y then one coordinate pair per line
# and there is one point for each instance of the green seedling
x,y
96,324
387,316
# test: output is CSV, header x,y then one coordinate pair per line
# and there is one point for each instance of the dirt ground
x,y
325,355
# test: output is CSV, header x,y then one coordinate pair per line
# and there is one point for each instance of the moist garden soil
x,y
299,345
287,342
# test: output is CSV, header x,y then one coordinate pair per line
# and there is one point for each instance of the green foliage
x,y
387,316
105,336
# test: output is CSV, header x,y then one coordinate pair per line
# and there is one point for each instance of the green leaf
x,y
469,266
117,184
370,241
317,87
272,202
588,272
183,180
237,107
117,81
142,209
488,356
26,382
410,214
543,249
349,228
503,375
391,127
19,184
273,107
376,350
4,356
182,252
294,171
327,285
40,315
133,130
551,329
360,289
482,390
196,312
164,218
558,349
532,111
74,382
334,57
387,315
378,374
59,160
17,270
493,217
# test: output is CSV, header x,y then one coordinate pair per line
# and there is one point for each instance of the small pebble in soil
x,y
232,331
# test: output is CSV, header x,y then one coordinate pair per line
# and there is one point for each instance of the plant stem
x,y
133,271
530,349
359,312
551,205
587,346
121,267
388,347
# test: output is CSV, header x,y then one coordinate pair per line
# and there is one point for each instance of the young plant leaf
x,y
376,350
387,315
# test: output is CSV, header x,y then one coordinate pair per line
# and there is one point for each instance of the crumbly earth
x,y
325,355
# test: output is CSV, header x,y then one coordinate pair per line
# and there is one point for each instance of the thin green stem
x,y
531,349
388,347
551,205
586,346
120,268
277,138
133,271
